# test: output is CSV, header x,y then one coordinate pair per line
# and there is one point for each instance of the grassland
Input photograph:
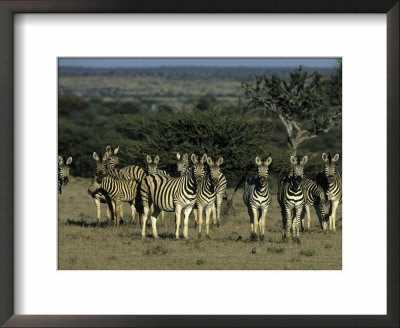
x,y
84,246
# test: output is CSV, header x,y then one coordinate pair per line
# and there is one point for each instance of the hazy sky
x,y
156,62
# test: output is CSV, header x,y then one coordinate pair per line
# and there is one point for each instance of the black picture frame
x,y
7,10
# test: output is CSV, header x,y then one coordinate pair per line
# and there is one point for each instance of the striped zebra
x,y
152,168
171,195
63,173
330,181
291,197
182,165
314,196
115,190
257,198
105,166
207,194
101,169
221,193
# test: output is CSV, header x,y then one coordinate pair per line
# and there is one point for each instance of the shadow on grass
x,y
84,224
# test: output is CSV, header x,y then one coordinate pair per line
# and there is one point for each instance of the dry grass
x,y
84,246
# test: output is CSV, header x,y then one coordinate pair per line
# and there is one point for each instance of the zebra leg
x,y
208,213
154,221
97,204
144,219
253,235
288,223
214,214
108,213
117,215
178,210
332,218
196,221
308,218
186,213
199,211
219,203
296,224
262,222
121,212
133,212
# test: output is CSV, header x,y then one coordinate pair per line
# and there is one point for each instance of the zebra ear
x,y
69,160
108,149
186,157
194,158
258,160
116,150
60,160
106,155
204,158
324,157
220,161
148,159
210,161
268,161
96,157
178,156
293,160
335,158
156,159
304,160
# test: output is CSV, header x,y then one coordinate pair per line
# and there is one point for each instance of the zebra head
x,y
183,163
214,169
94,186
329,165
113,158
63,169
198,167
298,167
263,168
101,165
152,165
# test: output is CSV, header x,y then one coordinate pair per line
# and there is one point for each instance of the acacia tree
x,y
303,103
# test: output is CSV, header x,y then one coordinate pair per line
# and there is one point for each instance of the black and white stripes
x,y
291,197
115,191
257,198
63,172
172,195
330,181
207,193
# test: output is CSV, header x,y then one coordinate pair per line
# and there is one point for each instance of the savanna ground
x,y
84,246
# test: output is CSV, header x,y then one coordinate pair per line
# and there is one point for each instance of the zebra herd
x,y
201,187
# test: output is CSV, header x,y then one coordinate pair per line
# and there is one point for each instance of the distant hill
x,y
217,71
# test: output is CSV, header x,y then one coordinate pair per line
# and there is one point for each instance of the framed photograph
x,y
213,162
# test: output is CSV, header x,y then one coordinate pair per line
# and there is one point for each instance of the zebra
x,y
105,166
182,167
115,191
221,193
172,195
63,173
314,196
152,168
291,197
257,198
101,169
330,181
183,163
207,193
